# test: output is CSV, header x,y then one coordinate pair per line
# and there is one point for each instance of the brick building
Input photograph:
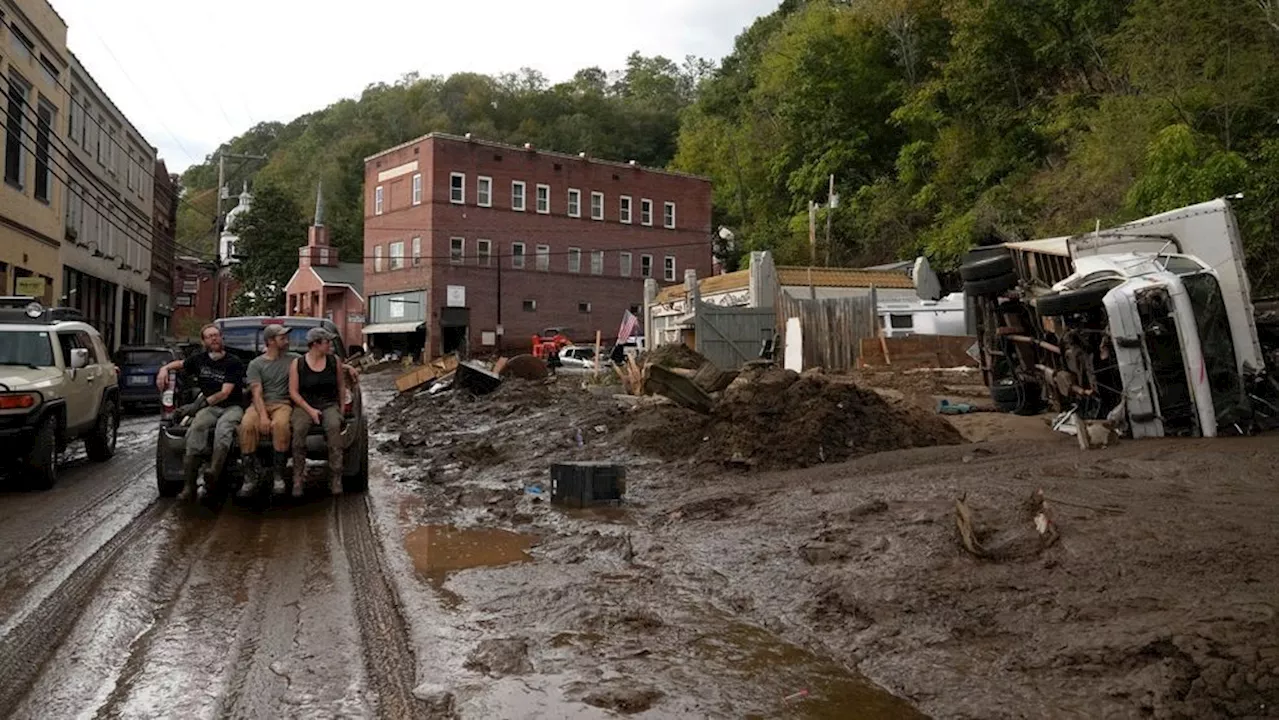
x,y
481,245
324,286
164,226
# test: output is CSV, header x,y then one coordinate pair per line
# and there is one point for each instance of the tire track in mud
x,y
25,649
389,660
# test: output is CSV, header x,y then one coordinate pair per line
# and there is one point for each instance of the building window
x,y
902,322
669,268
73,128
543,257
100,142
597,262
517,255
324,256
14,138
86,119
457,188
395,255
597,206
22,46
517,195
646,266
575,202
457,250
624,209
417,251
669,214
113,166
417,189
624,264
377,258
584,307
543,199
484,191
646,211
483,248
575,260
377,200
73,206
44,132
529,306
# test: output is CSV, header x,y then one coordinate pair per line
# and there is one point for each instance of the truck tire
x,y
1073,301
984,268
100,445
41,470
358,481
991,286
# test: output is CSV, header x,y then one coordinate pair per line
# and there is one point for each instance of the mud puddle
x,y
440,550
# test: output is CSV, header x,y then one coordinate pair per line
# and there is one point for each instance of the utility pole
x,y
831,206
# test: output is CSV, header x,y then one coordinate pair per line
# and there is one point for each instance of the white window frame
x,y
646,211
574,259
524,195
669,224
377,200
417,188
584,308
669,268
646,272
484,191
395,255
517,257
458,256
542,257
624,209
529,305
594,197
461,197
597,262
377,258
574,205
484,252
542,199
417,251
624,264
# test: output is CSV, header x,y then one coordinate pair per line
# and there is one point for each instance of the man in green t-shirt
x,y
269,381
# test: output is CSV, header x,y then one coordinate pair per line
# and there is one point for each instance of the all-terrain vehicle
x,y
1153,324
243,337
57,385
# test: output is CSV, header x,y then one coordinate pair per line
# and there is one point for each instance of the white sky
x,y
190,75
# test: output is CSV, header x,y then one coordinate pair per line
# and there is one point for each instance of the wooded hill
x,y
946,123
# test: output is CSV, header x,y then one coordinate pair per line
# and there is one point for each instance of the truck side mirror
x,y
79,358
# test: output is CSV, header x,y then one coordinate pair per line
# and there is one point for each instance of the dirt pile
x,y
674,355
776,419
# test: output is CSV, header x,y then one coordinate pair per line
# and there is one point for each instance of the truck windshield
x,y
26,348
1218,348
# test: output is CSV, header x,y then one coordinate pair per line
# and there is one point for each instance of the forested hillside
x,y
946,123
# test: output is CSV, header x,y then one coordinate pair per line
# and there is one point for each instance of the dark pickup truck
x,y
243,337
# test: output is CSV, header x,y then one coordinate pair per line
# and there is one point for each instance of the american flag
x,y
628,326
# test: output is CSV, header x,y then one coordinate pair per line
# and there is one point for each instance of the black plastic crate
x,y
581,484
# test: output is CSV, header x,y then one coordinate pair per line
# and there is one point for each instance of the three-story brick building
x,y
481,245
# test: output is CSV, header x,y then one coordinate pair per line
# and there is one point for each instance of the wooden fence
x,y
832,328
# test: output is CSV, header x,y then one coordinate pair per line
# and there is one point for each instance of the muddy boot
x,y
213,476
190,471
281,462
335,482
299,474
252,472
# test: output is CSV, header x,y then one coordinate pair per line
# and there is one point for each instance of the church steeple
x,y
317,251
319,221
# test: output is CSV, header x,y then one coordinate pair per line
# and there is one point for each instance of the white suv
x,y
57,384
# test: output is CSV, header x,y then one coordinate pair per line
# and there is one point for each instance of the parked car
x,y
243,337
138,368
57,385
578,356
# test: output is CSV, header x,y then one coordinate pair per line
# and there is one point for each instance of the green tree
x,y
271,232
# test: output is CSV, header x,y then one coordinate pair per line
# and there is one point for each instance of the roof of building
x,y
345,273
551,153
795,276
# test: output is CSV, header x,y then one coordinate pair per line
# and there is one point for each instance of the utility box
x,y
583,484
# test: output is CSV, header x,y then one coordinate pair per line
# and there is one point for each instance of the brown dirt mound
x,y
674,355
778,419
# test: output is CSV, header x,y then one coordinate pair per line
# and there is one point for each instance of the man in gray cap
x,y
269,382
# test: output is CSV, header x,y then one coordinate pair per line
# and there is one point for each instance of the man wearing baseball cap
x,y
269,382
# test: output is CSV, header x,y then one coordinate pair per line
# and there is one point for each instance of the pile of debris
x,y
775,419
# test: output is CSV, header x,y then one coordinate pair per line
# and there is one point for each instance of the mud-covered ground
x,y
837,590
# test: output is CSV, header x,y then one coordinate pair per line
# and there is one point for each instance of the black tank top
x,y
319,389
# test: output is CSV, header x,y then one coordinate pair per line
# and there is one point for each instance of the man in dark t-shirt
x,y
219,376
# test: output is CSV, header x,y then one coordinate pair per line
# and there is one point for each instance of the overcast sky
x,y
190,75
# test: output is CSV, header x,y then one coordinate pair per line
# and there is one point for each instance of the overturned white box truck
x,y
1151,324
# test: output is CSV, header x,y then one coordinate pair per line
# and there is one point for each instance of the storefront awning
x,y
391,328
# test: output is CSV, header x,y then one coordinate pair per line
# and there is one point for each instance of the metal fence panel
x,y
731,336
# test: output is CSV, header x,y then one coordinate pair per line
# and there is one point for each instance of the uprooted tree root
x,y
1027,533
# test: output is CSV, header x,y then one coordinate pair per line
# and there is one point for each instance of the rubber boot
x,y
252,475
281,463
299,474
190,471
213,476
335,482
